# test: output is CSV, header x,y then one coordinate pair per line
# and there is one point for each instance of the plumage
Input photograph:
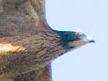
x,y
28,44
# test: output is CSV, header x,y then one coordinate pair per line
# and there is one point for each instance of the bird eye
x,y
80,34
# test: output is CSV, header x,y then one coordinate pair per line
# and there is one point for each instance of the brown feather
x,y
27,45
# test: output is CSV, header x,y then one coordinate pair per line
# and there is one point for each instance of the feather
x,y
28,44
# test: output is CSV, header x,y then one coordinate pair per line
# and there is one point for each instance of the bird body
x,y
27,42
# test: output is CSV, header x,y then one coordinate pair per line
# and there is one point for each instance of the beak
x,y
90,40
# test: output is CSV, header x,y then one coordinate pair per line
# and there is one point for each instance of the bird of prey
x,y
28,44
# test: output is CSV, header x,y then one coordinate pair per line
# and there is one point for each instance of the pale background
x,y
90,62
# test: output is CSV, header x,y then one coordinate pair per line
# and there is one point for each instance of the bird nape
x,y
27,43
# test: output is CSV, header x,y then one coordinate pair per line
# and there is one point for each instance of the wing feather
x,y
19,17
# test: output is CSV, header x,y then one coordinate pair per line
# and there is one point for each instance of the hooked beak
x,y
90,40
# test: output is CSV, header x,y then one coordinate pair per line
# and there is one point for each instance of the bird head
x,y
70,40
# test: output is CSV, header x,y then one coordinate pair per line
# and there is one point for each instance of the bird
x,y
28,45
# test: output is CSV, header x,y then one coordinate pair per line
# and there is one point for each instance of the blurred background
x,y
90,62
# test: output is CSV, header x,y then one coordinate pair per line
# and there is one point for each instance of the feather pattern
x,y
28,44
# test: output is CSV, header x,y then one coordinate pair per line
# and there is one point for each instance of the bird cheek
x,y
76,43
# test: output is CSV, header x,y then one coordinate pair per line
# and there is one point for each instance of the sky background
x,y
90,62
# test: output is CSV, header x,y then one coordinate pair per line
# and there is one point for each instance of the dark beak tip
x,y
92,41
